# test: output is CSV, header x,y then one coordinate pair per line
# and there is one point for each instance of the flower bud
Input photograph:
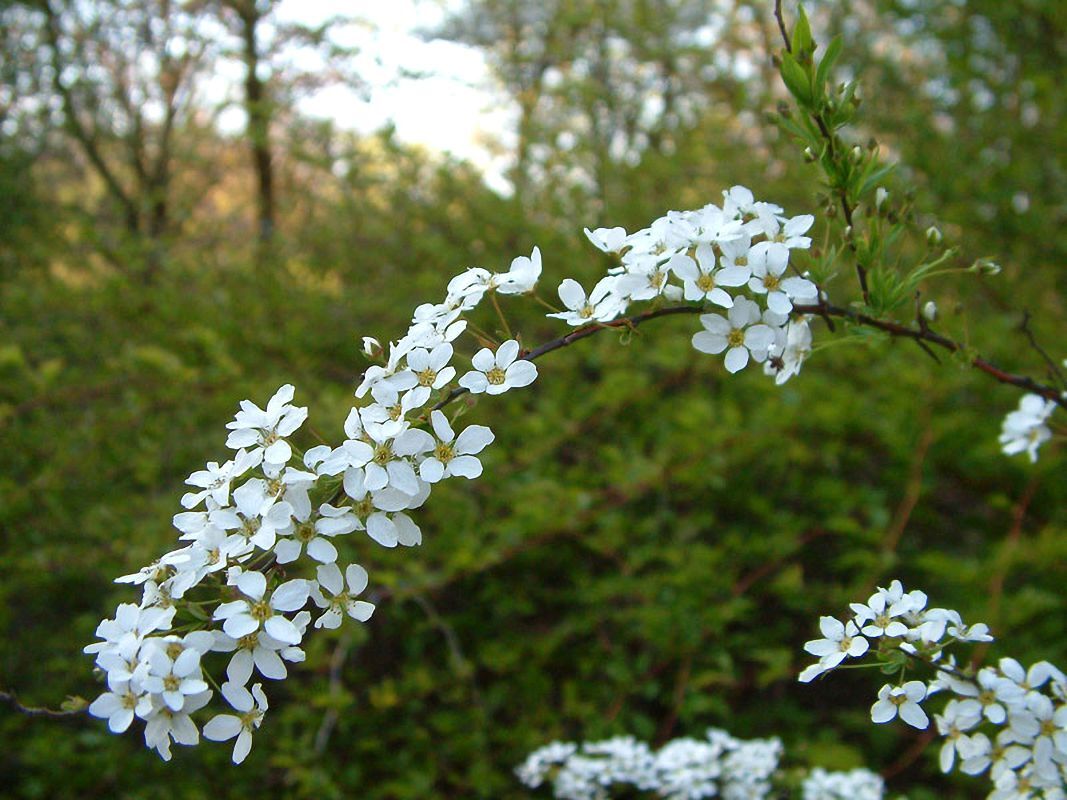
x,y
933,235
880,195
809,156
985,266
371,346
930,311
857,153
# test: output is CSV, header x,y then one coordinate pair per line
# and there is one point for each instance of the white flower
x,y
394,443
879,616
258,517
903,701
340,600
701,280
258,650
226,726
768,266
117,706
162,724
842,640
454,456
609,240
791,347
379,511
495,374
601,305
264,430
214,481
175,678
243,617
332,521
736,332
1025,429
521,277
958,717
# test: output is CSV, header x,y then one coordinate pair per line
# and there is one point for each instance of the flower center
x,y
741,261
656,279
771,282
305,532
383,454
426,377
213,556
495,376
174,650
444,452
129,700
364,508
898,699
987,698
736,338
845,644
250,719
171,683
260,611
586,312
275,486
248,642
250,528
705,282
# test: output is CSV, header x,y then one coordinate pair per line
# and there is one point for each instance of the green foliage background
x,y
653,540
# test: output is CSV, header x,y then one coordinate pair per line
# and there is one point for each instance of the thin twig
x,y
930,337
781,25
329,719
1053,368
36,711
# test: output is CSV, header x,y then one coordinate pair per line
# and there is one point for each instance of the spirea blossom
x,y
1007,720
718,765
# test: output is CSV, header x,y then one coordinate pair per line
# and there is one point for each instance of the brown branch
x,y
35,711
781,25
928,336
584,333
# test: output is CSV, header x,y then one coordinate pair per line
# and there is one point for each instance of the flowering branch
x,y
1025,758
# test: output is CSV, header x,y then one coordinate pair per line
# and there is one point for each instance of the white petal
x,y
252,584
269,663
322,550
282,629
222,727
465,466
521,373
736,359
290,596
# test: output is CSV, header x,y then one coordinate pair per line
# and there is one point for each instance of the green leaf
x,y
822,72
802,41
796,79
874,178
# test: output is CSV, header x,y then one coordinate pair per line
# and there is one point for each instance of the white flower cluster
x,y
1023,711
1024,430
718,765
856,784
712,256
271,506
